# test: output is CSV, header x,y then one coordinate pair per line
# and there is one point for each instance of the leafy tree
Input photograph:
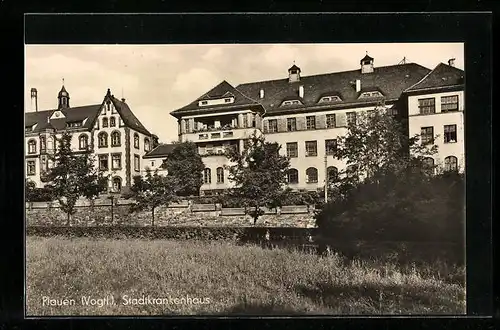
x,y
259,174
155,141
30,191
73,175
185,164
152,191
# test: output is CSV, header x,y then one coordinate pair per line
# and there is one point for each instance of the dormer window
x,y
74,124
370,94
291,102
330,99
218,101
227,100
203,102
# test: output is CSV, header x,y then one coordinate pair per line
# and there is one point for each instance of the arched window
x,y
146,144
102,140
83,141
220,175
117,184
293,176
115,139
451,164
312,175
333,174
207,175
112,122
32,146
428,165
105,122
136,140
351,171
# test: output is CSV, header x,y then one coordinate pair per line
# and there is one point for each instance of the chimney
x,y
358,85
261,93
301,91
123,99
451,62
34,100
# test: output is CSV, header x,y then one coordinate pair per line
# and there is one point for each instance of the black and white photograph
x,y
245,179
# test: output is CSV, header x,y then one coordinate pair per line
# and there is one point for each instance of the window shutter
x,y
301,123
281,124
320,121
341,120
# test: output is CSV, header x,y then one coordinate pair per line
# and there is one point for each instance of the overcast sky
x,y
157,79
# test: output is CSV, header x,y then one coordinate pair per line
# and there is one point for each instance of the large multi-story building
x,y
305,115
109,129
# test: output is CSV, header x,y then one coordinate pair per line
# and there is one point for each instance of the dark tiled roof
x,y
128,116
71,115
160,151
218,91
441,76
294,67
366,58
390,80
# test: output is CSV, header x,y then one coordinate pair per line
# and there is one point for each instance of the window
x,y
292,176
74,124
311,148
116,161
136,140
311,175
329,99
292,149
117,184
105,122
449,103
187,125
273,125
291,102
451,164
311,122
137,163
83,141
227,100
333,174
427,135
147,145
207,175
43,144
32,146
291,124
103,111
204,102
351,118
428,165
31,167
220,175
103,162
427,106
330,121
351,171
152,163
112,122
370,94
115,139
330,147
450,133
102,140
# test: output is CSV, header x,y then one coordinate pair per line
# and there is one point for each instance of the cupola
x,y
293,74
366,64
63,97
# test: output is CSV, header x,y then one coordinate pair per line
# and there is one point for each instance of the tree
x,y
73,175
155,141
185,164
259,174
30,191
152,191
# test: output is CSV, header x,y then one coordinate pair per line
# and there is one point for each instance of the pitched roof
x,y
72,114
366,58
128,116
441,76
294,67
161,150
219,91
390,80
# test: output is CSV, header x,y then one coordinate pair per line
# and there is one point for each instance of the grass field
x,y
193,277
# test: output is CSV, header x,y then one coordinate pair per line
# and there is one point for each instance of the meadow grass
x,y
238,280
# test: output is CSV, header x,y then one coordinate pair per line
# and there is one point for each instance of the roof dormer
x,y
366,64
293,74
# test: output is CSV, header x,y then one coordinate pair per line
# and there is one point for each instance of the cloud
x,y
195,81
213,54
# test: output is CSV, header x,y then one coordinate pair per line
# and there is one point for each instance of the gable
x,y
58,114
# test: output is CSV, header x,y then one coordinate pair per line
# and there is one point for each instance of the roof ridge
x,y
424,77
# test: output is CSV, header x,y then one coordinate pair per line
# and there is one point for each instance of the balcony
x,y
220,134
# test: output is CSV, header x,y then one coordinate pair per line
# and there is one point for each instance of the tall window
x,y
451,164
427,106
292,176
291,124
330,121
428,165
43,144
83,141
292,149
112,122
311,148
136,140
116,161
207,175
220,175
311,122
450,133
330,147
147,145
273,125
102,139
427,135
103,162
31,167
333,174
137,163
115,139
105,122
449,103
117,184
32,146
351,118
312,175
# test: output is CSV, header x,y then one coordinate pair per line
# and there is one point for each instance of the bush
x,y
42,195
